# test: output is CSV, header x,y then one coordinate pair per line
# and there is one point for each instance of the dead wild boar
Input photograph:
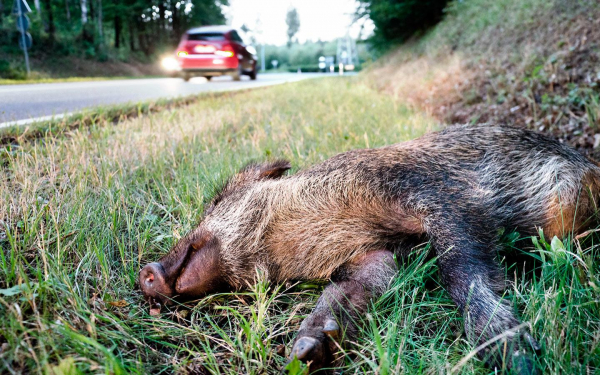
x,y
345,218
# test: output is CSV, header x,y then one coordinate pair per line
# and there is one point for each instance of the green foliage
x,y
397,20
478,23
299,54
293,23
7,70
295,367
113,29
307,54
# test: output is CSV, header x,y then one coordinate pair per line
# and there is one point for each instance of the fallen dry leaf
x,y
155,311
121,303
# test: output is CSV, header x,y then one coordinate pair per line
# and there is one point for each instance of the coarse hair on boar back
x,y
345,218
251,172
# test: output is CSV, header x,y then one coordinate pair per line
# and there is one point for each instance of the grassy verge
x,y
14,136
80,213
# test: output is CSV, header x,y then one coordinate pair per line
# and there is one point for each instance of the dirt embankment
x,y
50,66
79,67
534,64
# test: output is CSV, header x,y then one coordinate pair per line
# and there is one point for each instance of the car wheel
x,y
186,77
237,75
253,74
208,78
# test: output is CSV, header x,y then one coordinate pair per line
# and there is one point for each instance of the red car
x,y
211,51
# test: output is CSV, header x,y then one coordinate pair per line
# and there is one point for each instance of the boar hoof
x,y
306,348
523,364
522,361
535,346
332,329
316,348
312,351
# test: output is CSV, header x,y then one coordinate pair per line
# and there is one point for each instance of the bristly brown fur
x,y
251,172
347,215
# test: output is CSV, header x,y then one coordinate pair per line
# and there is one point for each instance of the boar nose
x,y
153,284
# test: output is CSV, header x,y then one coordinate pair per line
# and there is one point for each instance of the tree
x,y
293,23
68,11
91,28
84,12
51,26
99,18
397,20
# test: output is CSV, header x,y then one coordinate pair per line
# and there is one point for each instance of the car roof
x,y
210,29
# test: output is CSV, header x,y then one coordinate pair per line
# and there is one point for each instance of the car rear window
x,y
206,36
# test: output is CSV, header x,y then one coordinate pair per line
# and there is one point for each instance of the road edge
x,y
19,131
49,118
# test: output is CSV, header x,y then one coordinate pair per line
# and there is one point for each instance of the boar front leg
x,y
341,307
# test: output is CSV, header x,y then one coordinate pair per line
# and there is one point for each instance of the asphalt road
x,y
22,104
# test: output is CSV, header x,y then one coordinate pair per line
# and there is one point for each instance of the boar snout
x,y
191,270
153,283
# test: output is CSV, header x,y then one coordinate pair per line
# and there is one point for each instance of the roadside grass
x,y
13,136
81,211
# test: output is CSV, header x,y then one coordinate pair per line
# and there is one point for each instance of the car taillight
x,y
182,53
226,51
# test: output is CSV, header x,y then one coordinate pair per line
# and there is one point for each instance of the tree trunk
x,y
155,28
131,37
161,20
99,20
176,32
161,15
142,37
117,31
84,12
68,11
51,28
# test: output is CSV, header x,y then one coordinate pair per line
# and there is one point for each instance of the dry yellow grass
x,y
425,82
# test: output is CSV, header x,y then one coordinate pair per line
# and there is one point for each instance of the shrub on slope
x,y
531,63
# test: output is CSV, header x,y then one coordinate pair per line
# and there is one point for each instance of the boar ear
x,y
274,169
270,170
179,255
200,241
202,272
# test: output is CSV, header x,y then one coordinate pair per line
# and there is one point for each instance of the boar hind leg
x,y
341,307
473,278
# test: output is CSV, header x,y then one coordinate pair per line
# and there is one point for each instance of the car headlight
x,y
170,64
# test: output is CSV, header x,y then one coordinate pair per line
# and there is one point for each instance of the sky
x,y
319,19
